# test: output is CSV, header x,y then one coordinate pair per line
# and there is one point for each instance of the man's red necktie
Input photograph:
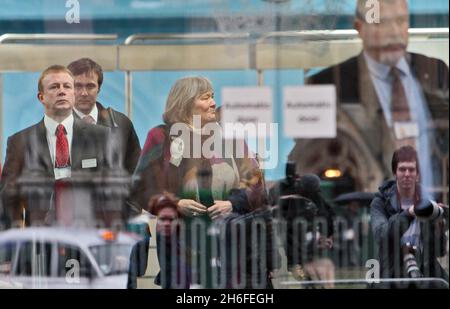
x,y
62,158
63,188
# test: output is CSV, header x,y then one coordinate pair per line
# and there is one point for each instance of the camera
x,y
428,210
297,195
410,266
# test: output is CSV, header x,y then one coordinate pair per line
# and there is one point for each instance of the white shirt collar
x,y
382,70
51,124
93,113
403,66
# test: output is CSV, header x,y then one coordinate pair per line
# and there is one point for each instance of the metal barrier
x,y
437,282
259,54
350,34
56,37
128,55
239,254
322,48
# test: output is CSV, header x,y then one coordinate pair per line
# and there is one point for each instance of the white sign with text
x,y
248,107
310,111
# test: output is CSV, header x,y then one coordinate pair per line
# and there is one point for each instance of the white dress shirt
x,y
93,113
50,126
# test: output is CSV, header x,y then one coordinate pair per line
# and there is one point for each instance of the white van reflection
x,y
61,258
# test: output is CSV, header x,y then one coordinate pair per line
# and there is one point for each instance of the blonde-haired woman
x,y
235,183
209,185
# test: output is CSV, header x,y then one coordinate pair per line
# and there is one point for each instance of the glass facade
x,y
316,72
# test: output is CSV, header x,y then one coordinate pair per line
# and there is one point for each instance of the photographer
x,y
409,228
309,226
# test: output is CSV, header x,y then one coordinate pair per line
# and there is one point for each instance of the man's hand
x,y
443,206
191,208
411,212
442,220
220,209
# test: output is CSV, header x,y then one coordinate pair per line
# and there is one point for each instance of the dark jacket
x,y
168,277
350,80
389,222
138,262
250,238
126,147
173,258
293,209
300,221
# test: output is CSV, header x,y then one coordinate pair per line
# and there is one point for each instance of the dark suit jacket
x,y
138,262
28,176
125,142
354,87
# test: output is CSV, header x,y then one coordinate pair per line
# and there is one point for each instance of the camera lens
x,y
428,210
410,263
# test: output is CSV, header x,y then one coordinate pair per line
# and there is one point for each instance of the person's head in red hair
x,y
164,206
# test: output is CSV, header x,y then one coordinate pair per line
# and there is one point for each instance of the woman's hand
x,y
220,209
191,208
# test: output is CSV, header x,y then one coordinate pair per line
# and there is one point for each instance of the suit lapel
x,y
379,137
43,151
75,115
425,73
369,97
77,138
103,116
433,81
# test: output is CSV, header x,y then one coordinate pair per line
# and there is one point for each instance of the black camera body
x,y
296,206
296,195
301,207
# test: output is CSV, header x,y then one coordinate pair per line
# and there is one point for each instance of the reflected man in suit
x,y
43,160
392,97
88,77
